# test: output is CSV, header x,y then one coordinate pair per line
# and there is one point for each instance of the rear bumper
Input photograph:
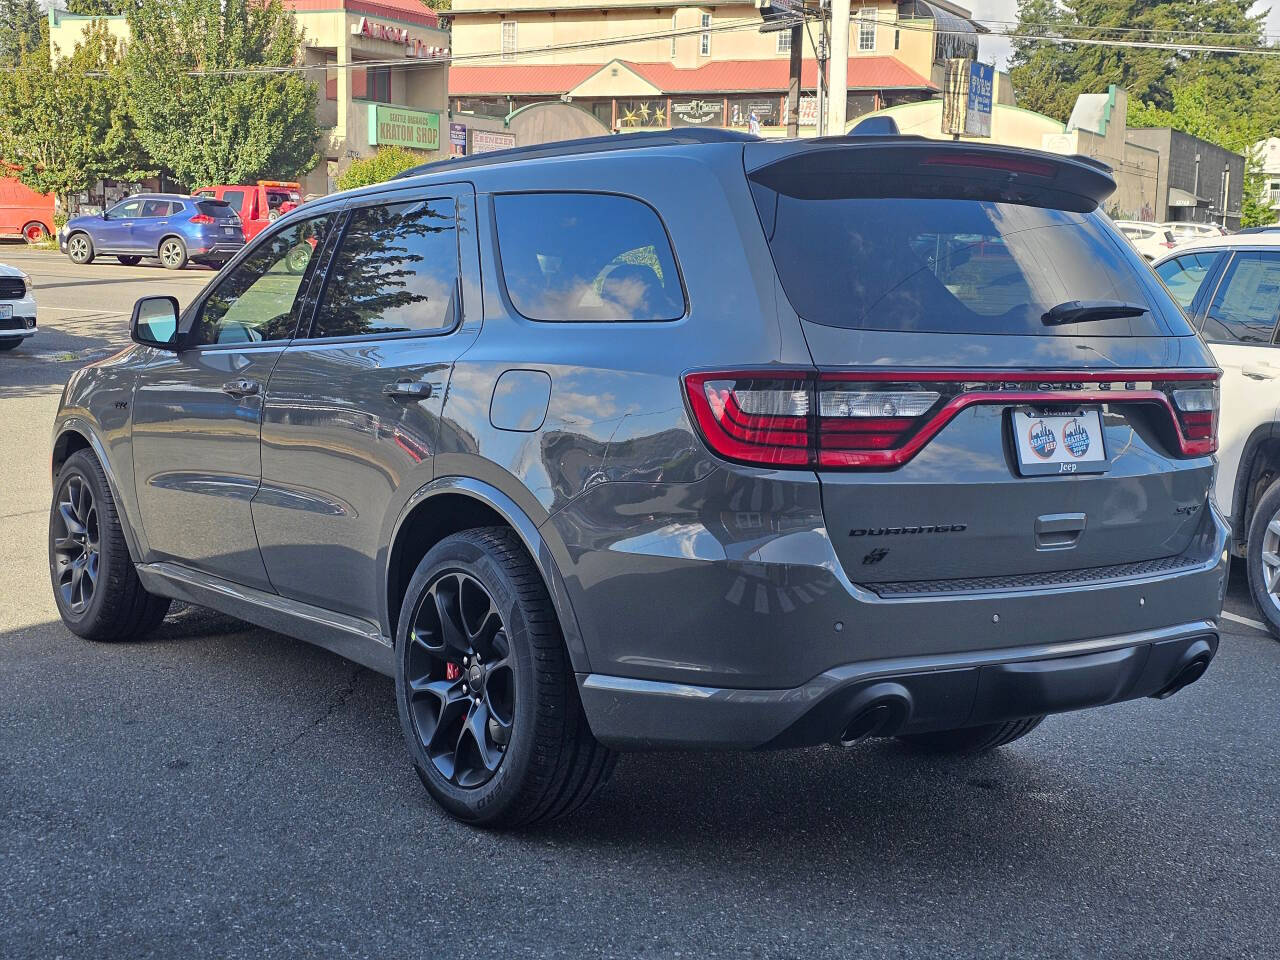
x,y
215,250
917,694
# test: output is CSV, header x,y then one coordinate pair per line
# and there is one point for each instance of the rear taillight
x,y
202,218
880,419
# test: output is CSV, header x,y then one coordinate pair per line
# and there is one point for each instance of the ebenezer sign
x,y
401,127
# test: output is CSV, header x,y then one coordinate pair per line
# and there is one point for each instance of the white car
x,y
1185,232
17,307
1152,240
1230,288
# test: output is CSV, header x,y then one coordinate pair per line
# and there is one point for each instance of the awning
x,y
1181,198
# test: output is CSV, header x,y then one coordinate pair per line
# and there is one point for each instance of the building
x,y
1199,181
1267,155
359,108
668,63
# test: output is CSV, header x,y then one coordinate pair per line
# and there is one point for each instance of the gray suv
x,y
684,440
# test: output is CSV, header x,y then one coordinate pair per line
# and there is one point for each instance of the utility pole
x,y
837,106
793,89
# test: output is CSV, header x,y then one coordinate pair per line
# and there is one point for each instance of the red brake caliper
x,y
452,671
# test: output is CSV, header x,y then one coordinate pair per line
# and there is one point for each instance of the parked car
x,y
581,486
176,229
258,205
23,212
1230,288
17,307
1248,231
1183,231
1152,240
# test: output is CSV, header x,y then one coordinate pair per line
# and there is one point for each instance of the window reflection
x,y
394,271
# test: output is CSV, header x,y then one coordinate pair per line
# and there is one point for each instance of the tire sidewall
x,y
182,260
88,257
1268,507
489,801
79,465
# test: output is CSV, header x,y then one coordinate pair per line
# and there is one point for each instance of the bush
x,y
381,167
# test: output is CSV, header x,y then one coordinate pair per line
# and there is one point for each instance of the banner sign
x,y
392,126
982,84
457,139
486,141
697,113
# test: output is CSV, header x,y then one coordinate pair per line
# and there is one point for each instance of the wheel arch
x,y
1259,465
171,235
74,436
449,505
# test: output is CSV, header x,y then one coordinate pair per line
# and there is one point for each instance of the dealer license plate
x,y
6,311
1059,443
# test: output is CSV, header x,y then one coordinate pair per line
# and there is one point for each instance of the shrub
x,y
381,167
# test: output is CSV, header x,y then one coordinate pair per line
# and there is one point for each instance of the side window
x,y
156,208
126,210
586,256
394,271
1184,275
1244,308
257,301
236,199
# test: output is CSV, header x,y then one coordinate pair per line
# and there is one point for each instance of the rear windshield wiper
x,y
1080,311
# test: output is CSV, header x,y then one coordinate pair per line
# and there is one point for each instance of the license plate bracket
x,y
1059,443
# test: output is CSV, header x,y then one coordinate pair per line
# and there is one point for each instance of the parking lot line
x,y
1236,618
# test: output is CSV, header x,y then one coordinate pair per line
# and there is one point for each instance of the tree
x,y
20,22
94,8
379,168
209,106
63,120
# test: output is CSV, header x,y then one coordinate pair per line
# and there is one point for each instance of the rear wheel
x,y
1262,557
130,261
80,248
487,698
34,232
95,585
972,739
173,253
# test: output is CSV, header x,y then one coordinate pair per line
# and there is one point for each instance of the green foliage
x,y
20,22
64,121
94,8
216,127
379,168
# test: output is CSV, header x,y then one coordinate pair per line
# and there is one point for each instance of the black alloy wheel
x,y
460,683
76,544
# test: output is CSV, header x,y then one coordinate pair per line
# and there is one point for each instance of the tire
x,y
34,232
8,343
544,763
130,261
80,248
971,739
172,253
1264,542
116,607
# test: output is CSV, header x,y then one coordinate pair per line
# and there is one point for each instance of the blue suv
x,y
172,227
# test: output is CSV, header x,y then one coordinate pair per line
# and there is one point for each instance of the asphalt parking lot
x,y
224,791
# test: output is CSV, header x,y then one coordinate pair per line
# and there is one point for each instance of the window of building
x,y
784,41
395,271
867,28
586,256
673,39
509,39
378,84
704,40
1245,305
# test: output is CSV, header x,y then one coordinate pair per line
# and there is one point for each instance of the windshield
x,y
953,266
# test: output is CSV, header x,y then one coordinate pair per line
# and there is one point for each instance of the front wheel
x,y
80,248
173,254
1262,558
486,694
972,739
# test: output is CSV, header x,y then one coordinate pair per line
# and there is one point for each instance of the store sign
x,y
390,33
766,110
808,112
697,113
391,126
982,84
486,141
457,139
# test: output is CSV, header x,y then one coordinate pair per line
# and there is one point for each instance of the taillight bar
x,y
880,419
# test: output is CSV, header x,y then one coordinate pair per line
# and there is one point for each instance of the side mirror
x,y
155,323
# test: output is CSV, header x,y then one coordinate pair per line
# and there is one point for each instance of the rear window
x,y
586,256
938,265
216,209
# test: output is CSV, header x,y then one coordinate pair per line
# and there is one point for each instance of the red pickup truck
x,y
257,204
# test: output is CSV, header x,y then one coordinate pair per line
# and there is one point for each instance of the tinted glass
x,y
156,208
1183,275
582,256
235,198
216,209
1244,307
257,301
394,271
129,208
942,265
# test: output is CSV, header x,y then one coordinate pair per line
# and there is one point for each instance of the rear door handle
x,y
1259,371
241,388
408,390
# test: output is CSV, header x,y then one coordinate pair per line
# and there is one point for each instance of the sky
x,y
997,48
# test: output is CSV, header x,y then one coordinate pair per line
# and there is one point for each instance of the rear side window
x,y
1184,275
586,256
1246,302
235,198
156,208
939,265
395,271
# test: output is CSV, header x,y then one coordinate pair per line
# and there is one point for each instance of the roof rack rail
x,y
569,148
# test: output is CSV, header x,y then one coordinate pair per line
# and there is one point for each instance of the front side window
x,y
867,28
1184,275
509,39
395,271
258,300
705,38
126,210
1245,305
586,256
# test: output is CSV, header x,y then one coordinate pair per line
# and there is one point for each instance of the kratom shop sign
x,y
391,126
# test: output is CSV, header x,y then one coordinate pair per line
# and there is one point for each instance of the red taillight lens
x,y
1035,168
881,419
202,218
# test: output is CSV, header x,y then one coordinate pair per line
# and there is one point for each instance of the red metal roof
x,y
722,76
412,11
